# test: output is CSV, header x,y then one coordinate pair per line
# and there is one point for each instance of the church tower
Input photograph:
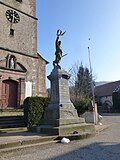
x,y
22,69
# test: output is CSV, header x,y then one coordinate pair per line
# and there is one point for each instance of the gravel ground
x,y
104,146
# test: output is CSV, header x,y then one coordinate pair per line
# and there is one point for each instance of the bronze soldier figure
x,y
58,52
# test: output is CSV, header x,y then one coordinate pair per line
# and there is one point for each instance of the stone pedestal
x,y
61,117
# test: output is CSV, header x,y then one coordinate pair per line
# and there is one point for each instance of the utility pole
x,y
92,88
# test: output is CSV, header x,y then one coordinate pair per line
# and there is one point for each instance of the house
x,y
103,93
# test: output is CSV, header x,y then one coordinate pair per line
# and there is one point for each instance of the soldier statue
x,y
58,52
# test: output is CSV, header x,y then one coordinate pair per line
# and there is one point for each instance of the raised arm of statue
x,y
58,52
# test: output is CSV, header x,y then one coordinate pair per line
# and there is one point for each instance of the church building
x,y
22,68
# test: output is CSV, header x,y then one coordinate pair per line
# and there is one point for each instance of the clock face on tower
x,y
12,16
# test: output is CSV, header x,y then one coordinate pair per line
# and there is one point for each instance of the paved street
x,y
105,146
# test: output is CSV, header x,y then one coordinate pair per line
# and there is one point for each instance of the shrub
x,y
82,105
116,101
34,108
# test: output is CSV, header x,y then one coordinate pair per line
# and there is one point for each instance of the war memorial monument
x,y
60,116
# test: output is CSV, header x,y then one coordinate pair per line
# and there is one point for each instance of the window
x,y
19,0
11,32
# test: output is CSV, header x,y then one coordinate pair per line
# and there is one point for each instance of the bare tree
x,y
73,72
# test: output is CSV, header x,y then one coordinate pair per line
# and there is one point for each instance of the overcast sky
x,y
98,20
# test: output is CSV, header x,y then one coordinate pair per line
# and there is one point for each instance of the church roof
x,y
39,55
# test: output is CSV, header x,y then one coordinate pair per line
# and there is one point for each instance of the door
x,y
9,93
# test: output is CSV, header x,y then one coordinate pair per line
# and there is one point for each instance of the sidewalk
x,y
13,139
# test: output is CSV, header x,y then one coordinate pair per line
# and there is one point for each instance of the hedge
x,y
116,101
34,108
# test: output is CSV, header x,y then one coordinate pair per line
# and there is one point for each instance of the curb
x,y
99,128
24,142
20,148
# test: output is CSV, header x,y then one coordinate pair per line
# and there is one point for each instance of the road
x,y
105,146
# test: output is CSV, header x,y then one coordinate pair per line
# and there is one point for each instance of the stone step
x,y
66,129
22,139
14,139
13,130
61,121
11,121
10,117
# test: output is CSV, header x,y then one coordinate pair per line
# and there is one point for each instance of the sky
x,y
97,20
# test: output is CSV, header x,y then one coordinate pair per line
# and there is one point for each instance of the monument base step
x,y
66,129
81,135
59,122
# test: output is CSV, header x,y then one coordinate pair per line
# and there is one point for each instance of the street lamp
x,y
92,88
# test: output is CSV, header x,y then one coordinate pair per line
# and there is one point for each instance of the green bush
x,y
34,108
82,105
116,101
